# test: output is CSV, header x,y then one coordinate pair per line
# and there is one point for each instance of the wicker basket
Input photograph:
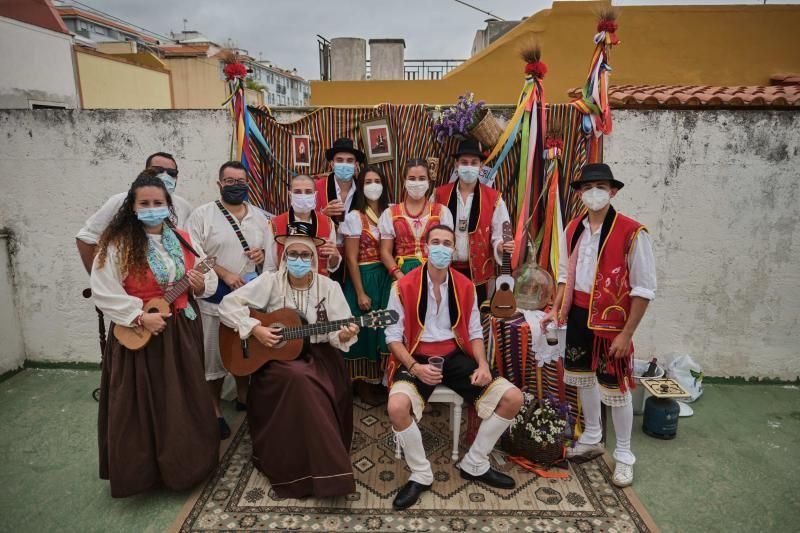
x,y
488,130
518,443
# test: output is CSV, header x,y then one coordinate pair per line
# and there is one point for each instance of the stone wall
x,y
717,189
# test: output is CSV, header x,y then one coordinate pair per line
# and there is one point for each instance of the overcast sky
x,y
284,31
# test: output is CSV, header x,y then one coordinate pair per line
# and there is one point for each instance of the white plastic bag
x,y
688,374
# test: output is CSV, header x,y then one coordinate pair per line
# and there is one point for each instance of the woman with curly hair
x,y
156,423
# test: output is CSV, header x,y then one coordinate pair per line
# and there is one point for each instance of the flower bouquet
x,y
537,432
467,118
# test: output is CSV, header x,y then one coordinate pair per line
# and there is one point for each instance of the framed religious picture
x,y
377,140
433,167
301,150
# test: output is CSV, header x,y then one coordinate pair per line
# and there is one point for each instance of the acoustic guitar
x,y
137,337
242,357
503,304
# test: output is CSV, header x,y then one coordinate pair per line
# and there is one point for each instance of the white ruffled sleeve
x,y
234,309
109,295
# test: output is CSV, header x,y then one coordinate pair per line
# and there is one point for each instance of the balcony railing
x,y
424,69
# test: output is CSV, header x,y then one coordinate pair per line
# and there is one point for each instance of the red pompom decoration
x,y
235,70
609,26
536,69
551,142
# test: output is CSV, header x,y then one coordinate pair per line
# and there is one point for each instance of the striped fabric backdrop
x,y
412,129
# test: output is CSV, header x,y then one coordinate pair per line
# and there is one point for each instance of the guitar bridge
x,y
245,353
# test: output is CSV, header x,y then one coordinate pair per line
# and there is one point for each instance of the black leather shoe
x,y
241,406
224,429
493,478
409,495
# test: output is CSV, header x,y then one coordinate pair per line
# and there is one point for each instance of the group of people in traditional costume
x,y
342,250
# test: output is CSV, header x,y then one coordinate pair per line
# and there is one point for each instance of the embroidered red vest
x,y
146,287
405,243
412,290
484,202
368,244
610,299
323,225
325,185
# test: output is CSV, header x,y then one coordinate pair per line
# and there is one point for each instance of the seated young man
x,y
438,313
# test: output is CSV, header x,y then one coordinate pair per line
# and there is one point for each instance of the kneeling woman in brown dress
x,y
156,424
300,412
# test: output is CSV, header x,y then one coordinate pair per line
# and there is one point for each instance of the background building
x,y
719,45
37,61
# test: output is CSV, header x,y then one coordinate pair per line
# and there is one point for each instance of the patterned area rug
x,y
238,497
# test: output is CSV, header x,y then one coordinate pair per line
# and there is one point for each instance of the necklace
x,y
300,297
419,214
416,223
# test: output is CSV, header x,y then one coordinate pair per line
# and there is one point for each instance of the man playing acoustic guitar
x,y
300,411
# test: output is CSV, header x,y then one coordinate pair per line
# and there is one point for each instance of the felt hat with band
x,y
344,144
469,147
302,230
596,172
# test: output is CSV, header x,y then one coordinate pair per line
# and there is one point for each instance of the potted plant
x,y
537,432
467,118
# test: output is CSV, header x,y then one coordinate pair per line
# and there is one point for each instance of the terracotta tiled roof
x,y
184,50
36,12
787,94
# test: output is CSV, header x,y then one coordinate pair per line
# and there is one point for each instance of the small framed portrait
x,y
433,167
378,141
301,150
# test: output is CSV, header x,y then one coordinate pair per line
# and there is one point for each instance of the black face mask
x,y
234,194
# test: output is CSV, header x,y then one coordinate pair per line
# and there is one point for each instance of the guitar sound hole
x,y
504,286
153,310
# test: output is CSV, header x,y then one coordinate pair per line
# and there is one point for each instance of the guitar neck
x,y
176,290
505,268
320,328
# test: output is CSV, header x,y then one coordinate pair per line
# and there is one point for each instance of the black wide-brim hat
x,y
302,230
469,147
344,145
596,172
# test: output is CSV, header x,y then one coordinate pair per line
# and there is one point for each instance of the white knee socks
x,y
476,461
623,425
590,404
411,442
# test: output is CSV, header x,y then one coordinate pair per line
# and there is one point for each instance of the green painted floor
x,y
734,466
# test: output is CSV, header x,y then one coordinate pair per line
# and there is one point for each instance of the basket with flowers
x,y
537,432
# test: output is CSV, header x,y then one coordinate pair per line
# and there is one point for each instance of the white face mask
x,y
304,203
468,174
595,199
417,189
373,191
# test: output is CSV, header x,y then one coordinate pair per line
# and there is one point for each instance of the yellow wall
x,y
114,84
196,82
675,45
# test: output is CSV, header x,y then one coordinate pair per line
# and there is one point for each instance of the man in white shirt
x,y
87,238
438,317
236,234
479,214
606,279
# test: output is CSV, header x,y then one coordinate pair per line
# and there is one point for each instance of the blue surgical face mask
x,y
344,171
169,182
440,255
152,216
298,267
468,174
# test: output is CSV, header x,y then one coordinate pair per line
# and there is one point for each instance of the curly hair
x,y
126,232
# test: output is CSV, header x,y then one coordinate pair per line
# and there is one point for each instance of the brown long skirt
x,y
301,421
156,424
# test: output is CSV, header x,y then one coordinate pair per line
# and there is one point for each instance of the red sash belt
x,y
581,299
438,348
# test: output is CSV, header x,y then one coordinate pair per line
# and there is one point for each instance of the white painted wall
x,y
718,190
12,350
37,66
57,168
